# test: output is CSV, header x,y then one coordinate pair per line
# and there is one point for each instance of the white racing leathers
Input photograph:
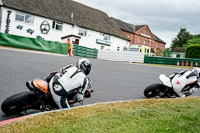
x,y
70,80
181,80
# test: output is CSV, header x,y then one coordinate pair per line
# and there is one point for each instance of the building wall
x,y
130,36
91,39
146,38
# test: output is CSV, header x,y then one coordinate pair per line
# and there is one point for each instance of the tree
x,y
167,52
192,51
194,40
181,39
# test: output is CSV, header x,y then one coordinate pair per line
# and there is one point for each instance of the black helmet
x,y
85,65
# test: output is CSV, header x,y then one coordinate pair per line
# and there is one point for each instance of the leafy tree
x,y
194,40
181,39
192,51
167,52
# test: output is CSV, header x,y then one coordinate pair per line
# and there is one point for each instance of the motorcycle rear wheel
x,y
17,102
154,90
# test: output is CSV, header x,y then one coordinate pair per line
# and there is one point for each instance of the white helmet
x,y
196,71
85,65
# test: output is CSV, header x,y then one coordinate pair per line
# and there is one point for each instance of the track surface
x,y
111,81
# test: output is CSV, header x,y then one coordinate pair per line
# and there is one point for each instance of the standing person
x,y
70,47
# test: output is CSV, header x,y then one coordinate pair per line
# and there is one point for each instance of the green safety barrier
x,y
172,61
42,45
34,44
85,52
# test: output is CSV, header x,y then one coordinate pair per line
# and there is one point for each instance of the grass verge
x,y
139,116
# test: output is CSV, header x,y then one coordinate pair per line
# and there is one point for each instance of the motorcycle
x,y
38,97
165,89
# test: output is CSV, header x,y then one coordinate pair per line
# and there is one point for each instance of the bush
x,y
193,51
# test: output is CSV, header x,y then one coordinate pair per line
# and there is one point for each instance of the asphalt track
x,y
111,81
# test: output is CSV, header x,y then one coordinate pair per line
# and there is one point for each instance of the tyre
x,y
16,103
154,90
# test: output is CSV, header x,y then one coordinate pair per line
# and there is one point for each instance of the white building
x,y
59,20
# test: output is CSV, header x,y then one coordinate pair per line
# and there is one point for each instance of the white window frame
x,y
157,45
144,42
27,18
149,43
56,25
139,40
82,32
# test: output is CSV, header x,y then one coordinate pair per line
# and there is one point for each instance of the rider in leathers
x,y
180,80
71,79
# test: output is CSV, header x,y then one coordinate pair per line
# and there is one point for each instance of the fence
x,y
172,61
31,43
85,52
121,56
42,45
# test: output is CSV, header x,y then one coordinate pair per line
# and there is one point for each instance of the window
x,y
145,32
27,18
150,43
144,42
139,40
57,25
157,46
147,50
106,37
82,32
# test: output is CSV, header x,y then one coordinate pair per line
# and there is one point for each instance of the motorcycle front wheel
x,y
18,102
154,90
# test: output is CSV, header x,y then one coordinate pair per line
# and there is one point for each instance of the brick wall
x,y
146,38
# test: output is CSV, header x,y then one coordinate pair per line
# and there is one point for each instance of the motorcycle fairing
x,y
165,80
41,84
180,81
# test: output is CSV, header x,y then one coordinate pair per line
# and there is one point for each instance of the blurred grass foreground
x,y
139,116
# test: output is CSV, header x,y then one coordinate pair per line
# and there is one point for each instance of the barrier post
x,y
178,63
186,63
182,63
191,64
196,64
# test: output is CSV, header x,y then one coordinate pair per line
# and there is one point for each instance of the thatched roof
x,y
61,10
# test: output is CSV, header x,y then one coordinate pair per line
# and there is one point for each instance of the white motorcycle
x,y
186,81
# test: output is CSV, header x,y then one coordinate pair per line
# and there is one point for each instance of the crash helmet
x,y
85,65
196,71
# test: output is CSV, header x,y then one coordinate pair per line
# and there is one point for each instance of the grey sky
x,y
164,17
